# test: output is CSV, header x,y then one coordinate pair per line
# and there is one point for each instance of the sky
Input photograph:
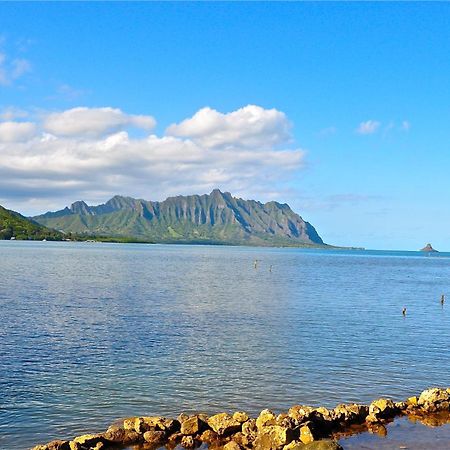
x,y
341,110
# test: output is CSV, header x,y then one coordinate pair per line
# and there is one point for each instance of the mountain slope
x,y
14,225
216,218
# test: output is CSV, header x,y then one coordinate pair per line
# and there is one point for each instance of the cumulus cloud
x,y
251,126
88,154
93,122
368,127
16,131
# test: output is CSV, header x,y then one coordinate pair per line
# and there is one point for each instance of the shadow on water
x,y
412,432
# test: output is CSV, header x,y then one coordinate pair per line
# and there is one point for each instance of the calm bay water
x,y
94,332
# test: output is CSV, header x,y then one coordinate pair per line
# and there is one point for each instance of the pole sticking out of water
x,y
404,312
270,268
442,299
255,264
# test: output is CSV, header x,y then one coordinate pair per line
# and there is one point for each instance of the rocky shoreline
x,y
301,428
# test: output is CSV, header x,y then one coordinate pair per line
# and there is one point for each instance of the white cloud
x,y
93,122
329,131
16,131
251,126
405,126
20,67
71,157
11,113
11,70
368,127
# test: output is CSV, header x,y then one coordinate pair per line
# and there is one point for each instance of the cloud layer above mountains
x,y
94,153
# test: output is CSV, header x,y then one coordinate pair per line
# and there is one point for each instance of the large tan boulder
x,y
434,399
273,437
265,418
350,414
308,433
301,413
241,416
209,436
152,423
224,424
191,426
87,441
154,437
119,435
381,409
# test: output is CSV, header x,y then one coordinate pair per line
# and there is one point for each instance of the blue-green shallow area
x,y
94,332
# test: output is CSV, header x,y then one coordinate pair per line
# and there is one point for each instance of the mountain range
x,y
216,218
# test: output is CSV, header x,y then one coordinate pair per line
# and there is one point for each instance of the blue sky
x,y
349,124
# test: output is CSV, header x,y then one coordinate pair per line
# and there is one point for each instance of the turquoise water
x,y
93,332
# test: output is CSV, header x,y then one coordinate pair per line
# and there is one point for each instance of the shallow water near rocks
x,y
94,332
431,432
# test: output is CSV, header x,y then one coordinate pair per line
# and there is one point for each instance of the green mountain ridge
x,y
14,225
211,218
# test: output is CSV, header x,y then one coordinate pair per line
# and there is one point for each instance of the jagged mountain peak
x,y
216,217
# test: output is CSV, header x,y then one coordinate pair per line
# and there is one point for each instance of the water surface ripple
x,y
93,332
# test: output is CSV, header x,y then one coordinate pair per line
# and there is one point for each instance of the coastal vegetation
x,y
15,226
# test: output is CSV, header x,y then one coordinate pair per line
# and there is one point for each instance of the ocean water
x,y
90,333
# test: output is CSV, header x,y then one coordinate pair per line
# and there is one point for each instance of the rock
x,y
249,427
381,409
326,414
182,417
155,423
53,445
188,442
128,423
174,438
412,401
232,445
429,249
301,413
87,442
401,406
119,435
155,437
434,399
209,436
265,418
350,414
244,440
224,424
308,433
376,428
191,426
240,416
325,444
273,437
285,421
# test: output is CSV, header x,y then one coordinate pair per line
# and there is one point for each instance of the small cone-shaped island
x,y
429,248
